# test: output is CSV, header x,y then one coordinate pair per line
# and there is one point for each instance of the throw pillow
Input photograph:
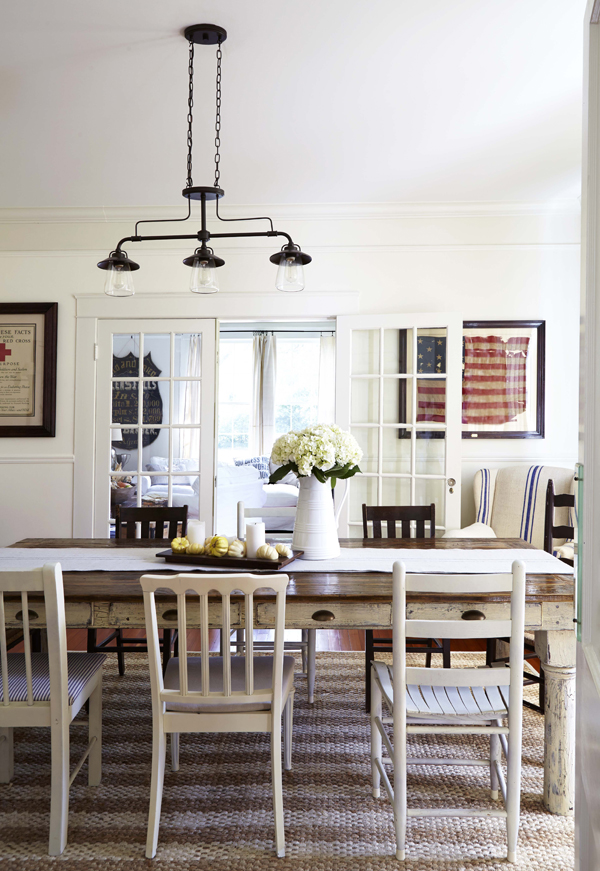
x,y
260,463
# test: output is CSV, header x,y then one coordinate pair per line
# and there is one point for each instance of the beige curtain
x,y
326,409
263,394
190,438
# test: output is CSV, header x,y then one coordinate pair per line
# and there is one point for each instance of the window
x,y
235,397
297,387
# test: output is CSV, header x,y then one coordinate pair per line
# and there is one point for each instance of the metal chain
x,y
190,117
218,117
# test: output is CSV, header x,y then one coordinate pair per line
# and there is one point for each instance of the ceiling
x,y
324,101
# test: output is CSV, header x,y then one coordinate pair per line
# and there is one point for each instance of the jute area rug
x,y
217,809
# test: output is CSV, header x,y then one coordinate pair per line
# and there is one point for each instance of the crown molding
x,y
297,211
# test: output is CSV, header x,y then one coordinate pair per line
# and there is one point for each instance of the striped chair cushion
x,y
81,667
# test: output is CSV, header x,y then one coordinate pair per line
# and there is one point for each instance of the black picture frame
x,y
44,399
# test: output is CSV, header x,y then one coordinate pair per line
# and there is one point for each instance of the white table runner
x,y
369,559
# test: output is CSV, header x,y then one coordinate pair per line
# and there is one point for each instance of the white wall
x,y
487,261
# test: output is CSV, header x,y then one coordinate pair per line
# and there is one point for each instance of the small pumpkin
x,y
266,551
237,548
195,548
284,550
179,545
219,546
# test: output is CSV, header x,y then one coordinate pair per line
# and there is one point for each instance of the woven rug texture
x,y
217,809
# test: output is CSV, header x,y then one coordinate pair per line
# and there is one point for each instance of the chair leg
x,y
288,725
174,751
369,656
59,788
95,731
428,655
495,756
311,664
7,761
121,655
304,652
276,776
159,749
376,710
513,786
446,660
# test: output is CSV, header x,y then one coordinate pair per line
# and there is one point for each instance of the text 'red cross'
x,y
4,352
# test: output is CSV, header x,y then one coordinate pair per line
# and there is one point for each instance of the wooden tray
x,y
242,563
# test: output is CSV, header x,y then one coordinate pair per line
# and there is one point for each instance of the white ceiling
x,y
324,101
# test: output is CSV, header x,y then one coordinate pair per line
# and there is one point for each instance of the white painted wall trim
x,y
253,306
39,458
297,211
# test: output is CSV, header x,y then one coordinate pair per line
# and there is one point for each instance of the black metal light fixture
x,y
290,260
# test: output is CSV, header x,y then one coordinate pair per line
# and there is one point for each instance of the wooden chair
x,y
562,500
48,689
218,694
154,522
461,700
308,643
406,515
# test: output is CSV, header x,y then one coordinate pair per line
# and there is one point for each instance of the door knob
x,y
451,484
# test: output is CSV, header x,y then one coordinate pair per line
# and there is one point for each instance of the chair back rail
x,y
191,589
405,515
127,519
553,500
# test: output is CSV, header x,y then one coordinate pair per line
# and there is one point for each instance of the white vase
x,y
315,527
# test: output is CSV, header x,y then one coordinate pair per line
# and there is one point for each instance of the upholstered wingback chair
x,y
513,500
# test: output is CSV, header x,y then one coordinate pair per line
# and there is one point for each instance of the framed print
x,y
28,369
503,379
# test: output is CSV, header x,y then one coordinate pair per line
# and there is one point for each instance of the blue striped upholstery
x,y
81,668
529,502
484,511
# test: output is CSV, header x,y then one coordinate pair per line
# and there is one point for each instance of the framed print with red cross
x,y
28,369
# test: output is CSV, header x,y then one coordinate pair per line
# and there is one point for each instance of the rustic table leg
x,y
557,655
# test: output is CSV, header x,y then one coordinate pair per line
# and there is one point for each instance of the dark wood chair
x,y
154,522
562,500
409,517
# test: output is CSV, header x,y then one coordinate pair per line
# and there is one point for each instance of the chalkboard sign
x,y
125,399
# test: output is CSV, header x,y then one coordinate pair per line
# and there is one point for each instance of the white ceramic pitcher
x,y
315,527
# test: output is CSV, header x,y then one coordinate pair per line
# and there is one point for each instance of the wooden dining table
x,y
358,600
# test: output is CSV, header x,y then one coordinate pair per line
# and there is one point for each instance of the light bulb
x,y
204,277
290,274
119,280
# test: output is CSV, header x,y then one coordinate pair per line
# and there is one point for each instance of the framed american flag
x,y
503,380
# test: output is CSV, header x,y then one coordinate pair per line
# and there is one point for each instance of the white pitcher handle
x,y
338,508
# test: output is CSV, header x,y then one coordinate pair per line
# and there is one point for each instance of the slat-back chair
x,y
308,643
409,517
217,694
47,689
557,500
475,701
153,524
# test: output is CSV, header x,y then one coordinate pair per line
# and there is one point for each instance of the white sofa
x,y
243,484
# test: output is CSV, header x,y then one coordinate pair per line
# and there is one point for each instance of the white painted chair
x,y
462,701
308,643
40,689
218,694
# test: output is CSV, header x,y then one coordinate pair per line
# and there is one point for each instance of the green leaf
x,y
319,475
348,472
281,472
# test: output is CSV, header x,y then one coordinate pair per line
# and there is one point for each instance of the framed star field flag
x,y
28,369
503,380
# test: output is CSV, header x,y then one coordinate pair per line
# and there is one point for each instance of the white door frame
x,y
92,308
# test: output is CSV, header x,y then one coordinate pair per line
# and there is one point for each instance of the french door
x,y
154,420
398,390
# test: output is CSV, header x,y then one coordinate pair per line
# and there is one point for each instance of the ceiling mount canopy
x,y
203,262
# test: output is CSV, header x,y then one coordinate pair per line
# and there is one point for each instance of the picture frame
x,y
28,350
515,356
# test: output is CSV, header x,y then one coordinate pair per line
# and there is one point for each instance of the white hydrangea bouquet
x,y
323,450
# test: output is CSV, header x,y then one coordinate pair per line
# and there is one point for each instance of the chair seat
x,y
444,704
81,669
263,671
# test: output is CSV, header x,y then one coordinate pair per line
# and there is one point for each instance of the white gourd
x,y
265,551
237,548
284,550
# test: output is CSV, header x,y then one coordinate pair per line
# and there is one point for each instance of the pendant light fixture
x,y
203,262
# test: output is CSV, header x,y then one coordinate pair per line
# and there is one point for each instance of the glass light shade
x,y
204,277
119,280
290,274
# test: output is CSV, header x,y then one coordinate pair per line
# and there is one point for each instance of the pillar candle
x,y
196,531
255,537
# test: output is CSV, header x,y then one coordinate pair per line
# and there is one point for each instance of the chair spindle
x,y
27,643
3,651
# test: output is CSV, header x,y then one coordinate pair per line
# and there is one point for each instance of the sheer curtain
x,y
326,409
190,438
263,393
